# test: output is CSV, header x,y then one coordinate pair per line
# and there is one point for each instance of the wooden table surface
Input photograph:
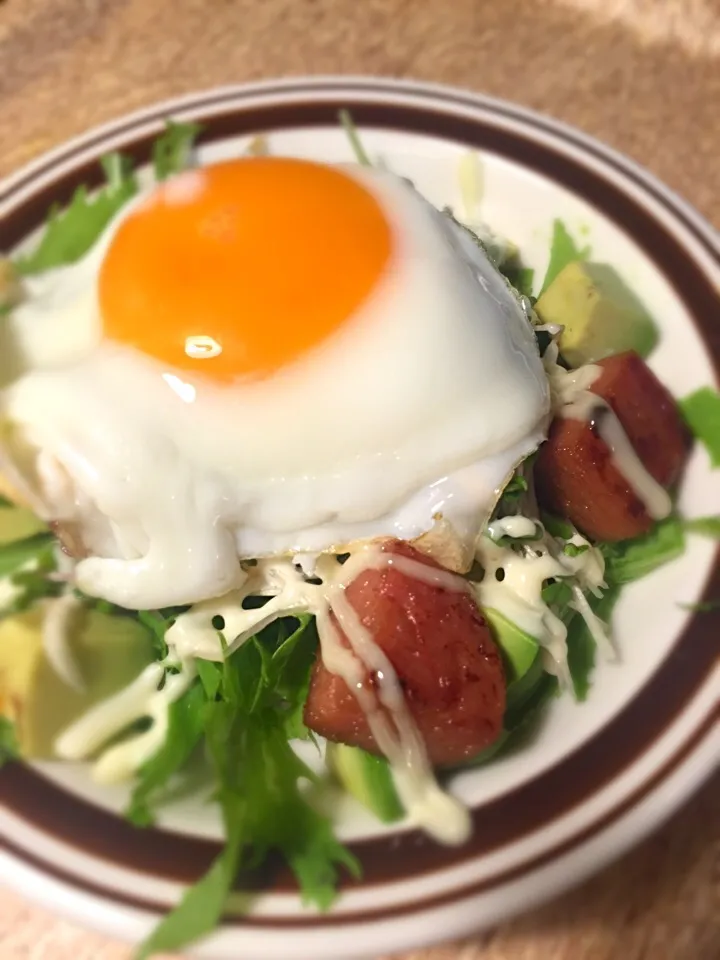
x,y
644,75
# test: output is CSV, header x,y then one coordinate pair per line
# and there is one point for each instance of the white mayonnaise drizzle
x,y
514,526
594,624
518,595
144,698
568,388
387,713
82,738
653,496
193,635
56,632
571,397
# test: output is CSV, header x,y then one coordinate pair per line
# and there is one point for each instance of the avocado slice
x,y
110,652
18,523
367,778
520,690
599,312
525,673
522,657
519,649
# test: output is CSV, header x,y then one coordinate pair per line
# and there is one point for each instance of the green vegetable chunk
x,y
599,312
9,749
704,606
27,556
580,642
702,414
70,233
367,778
200,909
522,688
109,653
172,152
348,125
185,728
17,553
705,526
245,703
522,278
581,646
632,559
522,717
563,250
515,487
519,649
528,684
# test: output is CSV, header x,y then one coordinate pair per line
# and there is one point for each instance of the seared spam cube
x,y
575,475
442,651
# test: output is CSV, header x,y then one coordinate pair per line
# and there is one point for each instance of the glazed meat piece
x,y
576,475
648,414
441,648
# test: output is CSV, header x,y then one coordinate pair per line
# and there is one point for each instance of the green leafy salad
x,y
230,696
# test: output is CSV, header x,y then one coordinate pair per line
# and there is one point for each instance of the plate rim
x,y
387,87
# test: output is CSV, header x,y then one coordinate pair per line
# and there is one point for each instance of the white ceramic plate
x,y
600,775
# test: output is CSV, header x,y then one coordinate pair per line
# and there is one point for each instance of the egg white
x,y
420,405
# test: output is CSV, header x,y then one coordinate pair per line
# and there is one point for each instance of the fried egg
x,y
263,357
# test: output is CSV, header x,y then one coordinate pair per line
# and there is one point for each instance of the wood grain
x,y
643,75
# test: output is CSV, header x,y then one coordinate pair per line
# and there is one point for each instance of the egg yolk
x,y
237,269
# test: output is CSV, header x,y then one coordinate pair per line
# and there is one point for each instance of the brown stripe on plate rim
x,y
693,742
646,716
669,256
387,88
181,858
